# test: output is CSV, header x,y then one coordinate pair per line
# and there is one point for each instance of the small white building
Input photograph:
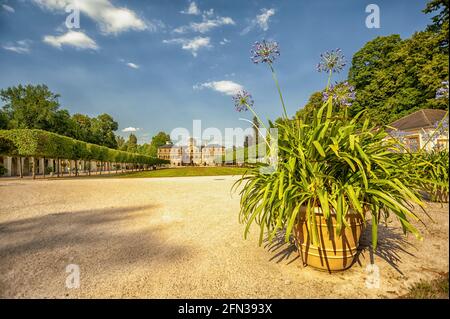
x,y
418,130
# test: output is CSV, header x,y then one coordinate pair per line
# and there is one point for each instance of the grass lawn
x,y
186,171
435,289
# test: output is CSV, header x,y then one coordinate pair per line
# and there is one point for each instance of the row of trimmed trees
x,y
34,143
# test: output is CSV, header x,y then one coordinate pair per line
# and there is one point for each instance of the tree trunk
x,y
101,167
20,167
43,173
57,167
76,167
33,167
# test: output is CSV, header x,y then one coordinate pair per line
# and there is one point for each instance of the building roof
x,y
213,145
424,118
166,146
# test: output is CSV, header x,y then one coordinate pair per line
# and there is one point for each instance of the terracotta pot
x,y
334,253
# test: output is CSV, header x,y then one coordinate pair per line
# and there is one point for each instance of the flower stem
x,y
262,123
329,80
256,115
279,90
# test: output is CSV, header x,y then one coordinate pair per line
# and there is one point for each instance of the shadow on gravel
x,y
391,244
281,250
109,236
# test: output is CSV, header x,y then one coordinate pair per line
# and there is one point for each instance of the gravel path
x,y
179,238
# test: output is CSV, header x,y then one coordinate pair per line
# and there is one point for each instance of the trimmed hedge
x,y
39,143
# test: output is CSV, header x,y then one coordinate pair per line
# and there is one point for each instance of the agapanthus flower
x,y
242,101
264,52
399,136
343,94
331,61
442,92
441,129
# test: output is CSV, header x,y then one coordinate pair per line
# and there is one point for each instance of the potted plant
x,y
3,170
332,175
49,170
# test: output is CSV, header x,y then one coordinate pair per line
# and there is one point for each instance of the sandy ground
x,y
180,238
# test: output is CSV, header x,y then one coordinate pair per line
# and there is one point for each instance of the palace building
x,y
191,154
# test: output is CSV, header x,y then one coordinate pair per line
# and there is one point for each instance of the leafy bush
x,y
434,173
3,170
49,170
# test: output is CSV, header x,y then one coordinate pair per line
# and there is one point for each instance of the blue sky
x,y
156,65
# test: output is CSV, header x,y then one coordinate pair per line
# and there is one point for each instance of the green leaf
x,y
319,148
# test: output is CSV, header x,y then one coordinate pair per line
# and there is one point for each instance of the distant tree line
x,y
36,107
151,149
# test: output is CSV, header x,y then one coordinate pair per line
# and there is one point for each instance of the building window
x,y
442,144
413,143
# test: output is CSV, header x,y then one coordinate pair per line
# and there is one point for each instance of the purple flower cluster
x,y
400,136
443,128
331,61
242,101
264,52
443,91
343,94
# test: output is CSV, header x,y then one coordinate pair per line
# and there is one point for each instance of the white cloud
x,y
191,45
224,41
206,25
75,39
192,9
131,129
225,87
261,21
263,18
110,18
208,13
22,46
8,8
132,65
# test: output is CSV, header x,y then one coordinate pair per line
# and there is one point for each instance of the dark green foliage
x,y
440,20
3,170
3,120
394,78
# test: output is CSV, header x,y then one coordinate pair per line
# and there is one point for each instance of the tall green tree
x,y
30,106
3,120
158,140
82,127
132,143
121,144
395,77
440,21
102,129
